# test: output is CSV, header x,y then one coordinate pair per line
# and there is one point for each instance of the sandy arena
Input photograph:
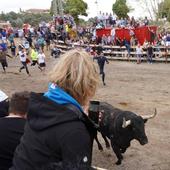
x,y
138,88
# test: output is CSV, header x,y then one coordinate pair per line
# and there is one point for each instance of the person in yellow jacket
x,y
34,57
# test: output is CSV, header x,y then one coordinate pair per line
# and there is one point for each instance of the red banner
x,y
141,33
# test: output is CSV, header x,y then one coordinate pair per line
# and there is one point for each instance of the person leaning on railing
x,y
58,134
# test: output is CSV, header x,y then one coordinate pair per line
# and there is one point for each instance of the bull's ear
x,y
126,123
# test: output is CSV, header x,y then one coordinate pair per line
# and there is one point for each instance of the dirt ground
x,y
138,88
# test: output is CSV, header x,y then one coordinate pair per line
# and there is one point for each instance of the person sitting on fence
x,y
12,128
55,51
118,42
128,48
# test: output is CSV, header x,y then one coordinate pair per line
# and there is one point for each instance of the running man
x,y
101,59
34,56
23,58
3,60
41,60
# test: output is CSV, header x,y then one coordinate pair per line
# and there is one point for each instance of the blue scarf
x,y
59,96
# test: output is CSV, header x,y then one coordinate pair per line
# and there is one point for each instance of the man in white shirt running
x,y
41,60
23,58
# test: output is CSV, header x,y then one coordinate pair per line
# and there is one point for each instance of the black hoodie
x,y
4,106
55,135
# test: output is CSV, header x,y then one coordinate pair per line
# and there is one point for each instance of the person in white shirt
x,y
20,33
100,16
112,35
23,58
4,104
139,52
41,60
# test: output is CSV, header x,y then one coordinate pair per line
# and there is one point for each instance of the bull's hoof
x,y
123,150
118,162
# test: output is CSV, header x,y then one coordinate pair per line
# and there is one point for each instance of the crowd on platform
x,y
107,20
65,29
46,35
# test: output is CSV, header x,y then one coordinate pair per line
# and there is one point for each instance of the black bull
x,y
121,127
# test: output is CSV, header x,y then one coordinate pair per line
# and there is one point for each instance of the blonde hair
x,y
76,74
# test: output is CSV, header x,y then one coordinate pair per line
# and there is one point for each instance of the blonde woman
x,y
58,134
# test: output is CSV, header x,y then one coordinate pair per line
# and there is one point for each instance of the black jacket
x,y
101,62
55,135
4,106
11,130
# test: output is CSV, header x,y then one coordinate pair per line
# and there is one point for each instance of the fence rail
x,y
161,53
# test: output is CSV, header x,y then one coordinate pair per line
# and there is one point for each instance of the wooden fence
x,y
161,53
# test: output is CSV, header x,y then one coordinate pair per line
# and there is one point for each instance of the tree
x,y
152,7
18,19
17,23
164,9
120,8
57,7
75,8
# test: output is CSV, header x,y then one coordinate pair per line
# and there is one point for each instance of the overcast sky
x,y
103,5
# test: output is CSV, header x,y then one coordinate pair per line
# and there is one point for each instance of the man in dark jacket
x,y
101,60
45,150
12,128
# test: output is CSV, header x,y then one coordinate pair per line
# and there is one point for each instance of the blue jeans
x,y
149,59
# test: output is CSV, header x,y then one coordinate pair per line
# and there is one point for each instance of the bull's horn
x,y
150,116
98,168
126,123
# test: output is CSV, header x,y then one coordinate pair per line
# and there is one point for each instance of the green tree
x,y
3,16
35,19
17,23
151,6
120,8
18,19
56,7
164,9
75,8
